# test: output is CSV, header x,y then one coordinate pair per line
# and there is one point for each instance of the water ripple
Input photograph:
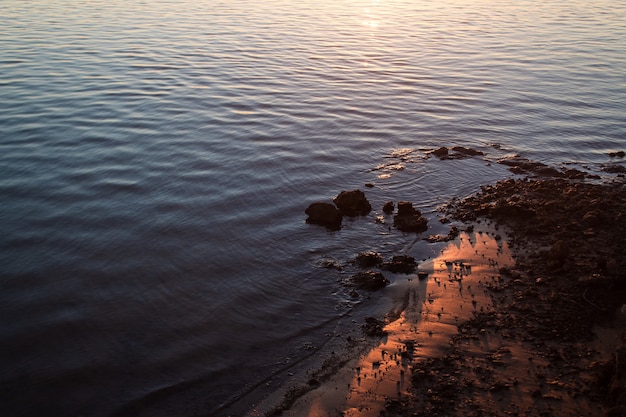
x,y
156,158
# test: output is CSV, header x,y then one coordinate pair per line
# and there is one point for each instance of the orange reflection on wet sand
x,y
455,287
424,322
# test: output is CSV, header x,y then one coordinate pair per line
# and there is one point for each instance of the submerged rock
x,y
467,151
370,280
368,259
401,264
441,153
458,152
519,165
324,214
353,203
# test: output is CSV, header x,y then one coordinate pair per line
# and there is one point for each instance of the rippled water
x,y
156,159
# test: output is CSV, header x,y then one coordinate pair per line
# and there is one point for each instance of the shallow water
x,y
156,159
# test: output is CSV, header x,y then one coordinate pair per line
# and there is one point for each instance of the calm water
x,y
156,159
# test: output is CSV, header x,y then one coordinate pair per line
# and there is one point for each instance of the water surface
x,y
156,159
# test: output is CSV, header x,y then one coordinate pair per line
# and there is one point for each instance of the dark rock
x,y
575,174
353,203
369,185
441,153
388,207
456,152
401,264
519,165
368,259
374,327
452,234
467,151
330,264
409,219
618,154
411,224
614,169
512,210
436,238
324,214
314,382
406,208
370,280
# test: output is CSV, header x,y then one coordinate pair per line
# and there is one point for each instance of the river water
x,y
156,158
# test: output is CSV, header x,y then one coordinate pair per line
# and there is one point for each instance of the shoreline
x,y
542,339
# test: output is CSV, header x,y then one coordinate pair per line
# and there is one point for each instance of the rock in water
x,y
370,280
388,207
409,219
353,203
467,151
406,208
401,264
368,259
324,214
441,153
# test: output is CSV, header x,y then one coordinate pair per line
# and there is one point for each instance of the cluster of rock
x,y
354,203
399,264
375,280
560,214
456,152
347,203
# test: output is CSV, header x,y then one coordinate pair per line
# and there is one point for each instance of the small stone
x,y
388,207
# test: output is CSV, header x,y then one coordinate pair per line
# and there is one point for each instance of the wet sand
x,y
424,322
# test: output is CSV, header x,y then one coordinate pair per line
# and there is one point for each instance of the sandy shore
x,y
519,315
421,329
